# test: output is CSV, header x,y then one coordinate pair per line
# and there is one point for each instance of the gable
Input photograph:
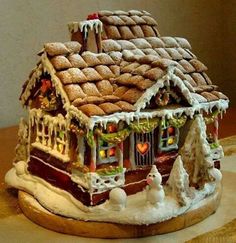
x,y
42,78
44,95
168,88
167,95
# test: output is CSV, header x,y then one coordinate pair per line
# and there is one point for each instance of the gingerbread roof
x,y
121,25
167,50
129,71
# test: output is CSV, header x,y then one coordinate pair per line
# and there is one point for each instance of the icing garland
x,y
144,126
114,138
178,122
109,171
141,126
210,119
90,139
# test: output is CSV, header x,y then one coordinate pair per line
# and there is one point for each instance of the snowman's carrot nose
x,y
149,180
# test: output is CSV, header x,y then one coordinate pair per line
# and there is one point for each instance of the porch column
x,y
66,140
131,151
120,154
216,128
80,149
93,158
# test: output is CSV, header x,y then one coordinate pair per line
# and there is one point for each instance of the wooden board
x,y
226,233
113,230
229,145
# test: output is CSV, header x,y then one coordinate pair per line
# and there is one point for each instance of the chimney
x,y
87,33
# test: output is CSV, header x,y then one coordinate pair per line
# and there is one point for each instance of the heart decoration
x,y
143,147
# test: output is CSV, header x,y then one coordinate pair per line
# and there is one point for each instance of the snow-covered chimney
x,y
88,33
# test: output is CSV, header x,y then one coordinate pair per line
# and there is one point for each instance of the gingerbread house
x,y
115,100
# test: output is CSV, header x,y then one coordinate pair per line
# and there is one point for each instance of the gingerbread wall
x,y
26,25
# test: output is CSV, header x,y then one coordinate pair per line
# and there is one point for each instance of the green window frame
x,y
168,136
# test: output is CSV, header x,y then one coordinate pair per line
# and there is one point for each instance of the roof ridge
x,y
60,48
122,12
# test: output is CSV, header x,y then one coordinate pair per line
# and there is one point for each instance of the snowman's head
x,y
154,178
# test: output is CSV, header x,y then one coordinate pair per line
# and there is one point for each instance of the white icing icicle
x,y
55,125
87,25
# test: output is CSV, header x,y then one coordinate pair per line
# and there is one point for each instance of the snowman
x,y
155,192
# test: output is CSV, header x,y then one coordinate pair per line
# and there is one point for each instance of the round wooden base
x,y
39,215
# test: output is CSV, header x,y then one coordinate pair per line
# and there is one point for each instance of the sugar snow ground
x,y
137,210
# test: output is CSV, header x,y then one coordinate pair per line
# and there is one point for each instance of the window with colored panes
x,y
106,152
168,136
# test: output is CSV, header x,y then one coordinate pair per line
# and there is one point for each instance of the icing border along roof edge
x,y
128,117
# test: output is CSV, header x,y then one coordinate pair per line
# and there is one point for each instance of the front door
x,y
144,148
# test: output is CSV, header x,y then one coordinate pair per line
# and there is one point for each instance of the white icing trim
x,y
49,165
128,117
101,183
48,67
136,182
31,84
87,25
53,152
56,82
73,112
54,124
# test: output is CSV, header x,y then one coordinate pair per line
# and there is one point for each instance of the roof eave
x,y
128,117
